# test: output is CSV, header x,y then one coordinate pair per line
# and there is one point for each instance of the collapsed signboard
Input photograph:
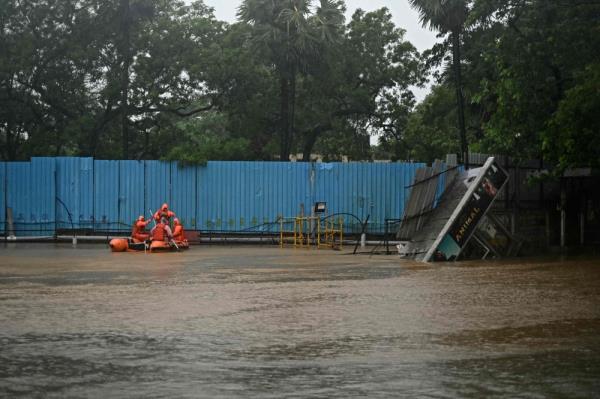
x,y
483,190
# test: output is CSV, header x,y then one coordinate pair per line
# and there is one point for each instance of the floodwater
x,y
264,322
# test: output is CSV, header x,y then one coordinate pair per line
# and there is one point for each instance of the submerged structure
x,y
446,216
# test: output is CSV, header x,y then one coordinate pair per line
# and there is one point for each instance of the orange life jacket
x,y
159,233
178,234
139,228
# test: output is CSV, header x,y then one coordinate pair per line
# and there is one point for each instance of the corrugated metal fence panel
x,y
340,186
131,192
380,204
215,193
183,194
86,193
158,184
250,196
106,195
207,189
31,195
287,187
19,195
73,192
229,196
67,191
405,176
202,193
408,173
43,210
2,196
362,189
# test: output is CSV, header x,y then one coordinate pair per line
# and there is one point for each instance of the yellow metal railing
x,y
310,231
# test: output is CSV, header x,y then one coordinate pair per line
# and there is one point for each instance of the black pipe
x,y
68,213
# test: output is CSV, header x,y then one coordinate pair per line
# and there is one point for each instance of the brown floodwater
x,y
264,322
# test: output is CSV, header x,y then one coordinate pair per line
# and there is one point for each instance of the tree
x,y
291,36
158,66
429,132
207,138
573,135
365,88
532,62
449,17
102,78
44,67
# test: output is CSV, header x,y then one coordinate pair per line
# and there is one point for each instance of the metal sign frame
x,y
471,221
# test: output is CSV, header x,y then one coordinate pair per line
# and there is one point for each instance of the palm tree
x,y
449,16
290,36
130,14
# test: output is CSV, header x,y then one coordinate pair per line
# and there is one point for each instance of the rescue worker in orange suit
x,y
138,232
178,233
162,231
164,212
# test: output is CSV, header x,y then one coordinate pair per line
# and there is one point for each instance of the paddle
x,y
174,243
152,216
147,243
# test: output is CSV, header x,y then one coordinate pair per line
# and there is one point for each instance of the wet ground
x,y
240,322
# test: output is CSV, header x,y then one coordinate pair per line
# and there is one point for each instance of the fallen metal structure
x,y
447,215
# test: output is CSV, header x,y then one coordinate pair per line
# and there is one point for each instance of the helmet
x,y
140,218
176,221
164,207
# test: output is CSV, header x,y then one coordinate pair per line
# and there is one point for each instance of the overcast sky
x,y
404,16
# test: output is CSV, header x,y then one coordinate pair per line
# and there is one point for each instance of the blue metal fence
x,y
30,192
106,195
74,192
50,193
131,192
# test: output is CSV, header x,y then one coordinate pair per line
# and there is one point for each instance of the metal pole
x,y
547,228
582,222
563,214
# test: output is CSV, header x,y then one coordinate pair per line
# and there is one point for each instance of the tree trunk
x,y
11,144
290,129
284,153
126,63
311,138
11,152
464,147
309,143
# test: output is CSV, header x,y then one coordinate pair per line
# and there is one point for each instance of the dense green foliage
x,y
165,79
449,17
144,79
531,82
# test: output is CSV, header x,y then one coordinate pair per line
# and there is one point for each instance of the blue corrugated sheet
x,y
18,194
131,192
364,189
74,192
67,191
158,184
183,193
220,196
86,193
31,195
250,196
43,180
106,195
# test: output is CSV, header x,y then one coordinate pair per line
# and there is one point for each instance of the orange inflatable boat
x,y
130,245
156,246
